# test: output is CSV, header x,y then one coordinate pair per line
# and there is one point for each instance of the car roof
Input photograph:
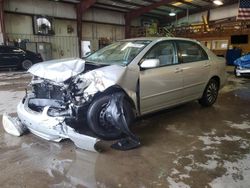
x,y
159,39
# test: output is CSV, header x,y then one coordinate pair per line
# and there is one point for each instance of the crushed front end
x,y
51,108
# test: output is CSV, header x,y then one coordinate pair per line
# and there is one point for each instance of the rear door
x,y
195,67
161,87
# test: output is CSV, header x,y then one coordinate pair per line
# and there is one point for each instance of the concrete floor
x,y
188,146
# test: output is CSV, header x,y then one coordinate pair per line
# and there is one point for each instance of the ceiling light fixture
x,y
172,14
218,2
177,4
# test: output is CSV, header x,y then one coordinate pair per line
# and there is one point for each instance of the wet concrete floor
x,y
188,146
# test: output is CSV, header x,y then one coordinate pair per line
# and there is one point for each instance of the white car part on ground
x,y
13,126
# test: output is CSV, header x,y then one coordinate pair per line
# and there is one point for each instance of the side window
x,y
10,49
191,52
164,51
6,49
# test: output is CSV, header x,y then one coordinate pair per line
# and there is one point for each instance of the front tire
x,y
210,93
99,124
26,64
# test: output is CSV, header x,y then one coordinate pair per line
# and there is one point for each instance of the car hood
x,y
244,61
58,70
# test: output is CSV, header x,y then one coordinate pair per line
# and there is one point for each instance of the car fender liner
x,y
116,116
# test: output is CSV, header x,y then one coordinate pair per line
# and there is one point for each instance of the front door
x,y
161,87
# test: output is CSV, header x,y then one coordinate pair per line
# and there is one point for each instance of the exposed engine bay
x,y
65,98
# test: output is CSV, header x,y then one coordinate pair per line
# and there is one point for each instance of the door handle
x,y
177,70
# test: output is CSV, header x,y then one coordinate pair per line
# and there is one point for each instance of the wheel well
x,y
26,59
217,79
114,89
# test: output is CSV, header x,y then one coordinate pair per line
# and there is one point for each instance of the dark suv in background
x,y
14,57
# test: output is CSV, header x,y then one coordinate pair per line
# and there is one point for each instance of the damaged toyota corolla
x,y
112,86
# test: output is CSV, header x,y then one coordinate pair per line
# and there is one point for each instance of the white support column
x,y
1,22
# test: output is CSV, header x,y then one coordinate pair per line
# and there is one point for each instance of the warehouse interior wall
x,y
97,24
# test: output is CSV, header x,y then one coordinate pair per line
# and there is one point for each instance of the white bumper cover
x,y
52,128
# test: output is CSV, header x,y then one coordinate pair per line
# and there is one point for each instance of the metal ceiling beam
x,y
2,24
168,5
80,9
127,3
202,9
189,3
126,8
174,7
136,4
138,12
114,6
85,4
108,8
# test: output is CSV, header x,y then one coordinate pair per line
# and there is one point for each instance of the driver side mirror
x,y
150,63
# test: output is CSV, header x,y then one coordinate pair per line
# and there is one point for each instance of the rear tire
x,y
210,93
99,124
26,64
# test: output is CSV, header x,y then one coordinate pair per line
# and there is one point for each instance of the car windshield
x,y
120,53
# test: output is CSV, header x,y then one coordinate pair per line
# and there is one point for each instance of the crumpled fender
x,y
101,79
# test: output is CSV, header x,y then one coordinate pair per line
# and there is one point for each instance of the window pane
x,y
191,52
163,51
120,53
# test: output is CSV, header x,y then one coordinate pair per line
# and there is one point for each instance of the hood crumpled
x,y
58,70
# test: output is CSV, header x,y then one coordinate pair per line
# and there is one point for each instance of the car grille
x,y
48,91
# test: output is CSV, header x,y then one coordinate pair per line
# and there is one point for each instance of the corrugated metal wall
x,y
105,24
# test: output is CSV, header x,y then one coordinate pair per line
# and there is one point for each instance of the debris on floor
x,y
13,126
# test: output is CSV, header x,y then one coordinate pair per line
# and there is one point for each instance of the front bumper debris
x,y
55,128
13,126
115,110
46,127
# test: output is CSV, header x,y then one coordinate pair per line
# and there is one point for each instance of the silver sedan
x,y
128,78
